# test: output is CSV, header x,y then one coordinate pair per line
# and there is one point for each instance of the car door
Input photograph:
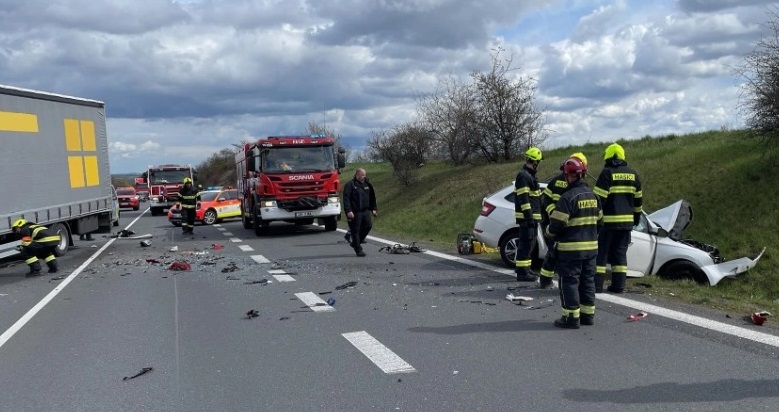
x,y
641,251
231,204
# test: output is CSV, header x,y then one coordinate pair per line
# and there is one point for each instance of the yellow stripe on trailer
x,y
18,122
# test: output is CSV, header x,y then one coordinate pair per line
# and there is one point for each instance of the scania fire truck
x,y
163,183
291,179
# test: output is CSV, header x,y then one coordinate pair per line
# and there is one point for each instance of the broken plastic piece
x,y
346,285
179,265
143,371
145,243
516,298
637,316
174,249
252,313
217,246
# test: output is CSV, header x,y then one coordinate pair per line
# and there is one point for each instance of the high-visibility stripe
x,y
587,310
577,246
622,189
583,221
618,219
18,122
522,190
571,312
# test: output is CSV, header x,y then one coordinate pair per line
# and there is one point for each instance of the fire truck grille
x,y
311,188
303,203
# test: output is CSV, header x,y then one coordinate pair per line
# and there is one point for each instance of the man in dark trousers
x,y
359,205
527,213
619,189
188,197
37,242
574,225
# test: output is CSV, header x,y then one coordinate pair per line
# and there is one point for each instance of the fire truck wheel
x,y
330,223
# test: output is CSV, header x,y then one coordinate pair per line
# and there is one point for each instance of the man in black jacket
x,y
359,205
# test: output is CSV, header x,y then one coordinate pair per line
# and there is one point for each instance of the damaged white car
x,y
657,246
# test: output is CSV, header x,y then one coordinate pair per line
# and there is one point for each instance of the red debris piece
x,y
179,265
217,246
758,318
637,316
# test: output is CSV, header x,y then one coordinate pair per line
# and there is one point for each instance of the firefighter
x,y
359,205
619,188
188,197
549,198
37,242
574,225
527,212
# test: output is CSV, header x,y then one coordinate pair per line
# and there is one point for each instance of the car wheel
x,y
209,217
508,248
684,269
136,208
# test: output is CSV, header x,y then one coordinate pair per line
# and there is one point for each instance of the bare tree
x,y
508,120
315,128
450,116
406,147
760,91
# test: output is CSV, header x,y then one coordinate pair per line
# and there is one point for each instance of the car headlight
x,y
267,203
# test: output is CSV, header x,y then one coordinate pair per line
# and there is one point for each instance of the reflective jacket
x,y
575,222
619,188
35,233
188,197
527,200
551,195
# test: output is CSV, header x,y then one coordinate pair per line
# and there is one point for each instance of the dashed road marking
x,y
314,302
260,259
276,271
284,278
228,233
236,240
246,248
221,229
379,354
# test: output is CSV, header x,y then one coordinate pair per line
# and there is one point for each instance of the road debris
x,y
517,298
179,265
257,282
399,249
142,372
217,246
174,249
331,301
231,267
145,243
60,277
637,316
252,313
758,318
346,285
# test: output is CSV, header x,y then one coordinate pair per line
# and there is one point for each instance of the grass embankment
x,y
724,175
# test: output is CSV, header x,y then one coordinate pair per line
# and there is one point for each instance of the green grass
x,y
724,175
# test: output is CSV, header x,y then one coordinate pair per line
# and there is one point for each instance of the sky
x,y
182,80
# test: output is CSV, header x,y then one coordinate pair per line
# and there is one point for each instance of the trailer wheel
x,y
64,242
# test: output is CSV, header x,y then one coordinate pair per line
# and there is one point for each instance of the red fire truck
x,y
291,179
163,183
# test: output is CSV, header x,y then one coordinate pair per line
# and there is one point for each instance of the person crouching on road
x,y
359,205
188,197
574,225
38,242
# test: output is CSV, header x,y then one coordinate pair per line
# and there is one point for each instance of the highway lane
x,y
416,332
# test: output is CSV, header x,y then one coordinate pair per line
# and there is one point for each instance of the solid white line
x,y
760,337
314,302
228,233
379,354
246,248
260,259
284,278
276,271
714,325
236,240
60,287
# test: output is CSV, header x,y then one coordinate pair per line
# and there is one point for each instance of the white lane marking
x,y
10,332
217,225
379,354
276,271
246,248
284,278
228,233
314,302
760,337
221,229
714,325
236,240
260,259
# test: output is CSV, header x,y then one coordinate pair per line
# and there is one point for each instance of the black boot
x,y
598,283
567,322
617,283
524,275
52,266
35,269
545,282
586,319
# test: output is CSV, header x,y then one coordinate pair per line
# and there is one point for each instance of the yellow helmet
x,y
187,180
19,223
614,149
580,156
534,154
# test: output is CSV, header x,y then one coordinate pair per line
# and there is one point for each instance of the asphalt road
x,y
418,331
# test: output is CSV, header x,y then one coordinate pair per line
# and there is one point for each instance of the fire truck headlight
x,y
268,203
332,200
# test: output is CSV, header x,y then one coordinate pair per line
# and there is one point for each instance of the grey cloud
x,y
708,6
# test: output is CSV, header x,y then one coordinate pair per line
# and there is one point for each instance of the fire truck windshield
x,y
168,176
298,159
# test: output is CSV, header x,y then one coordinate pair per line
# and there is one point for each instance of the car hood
x,y
674,218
